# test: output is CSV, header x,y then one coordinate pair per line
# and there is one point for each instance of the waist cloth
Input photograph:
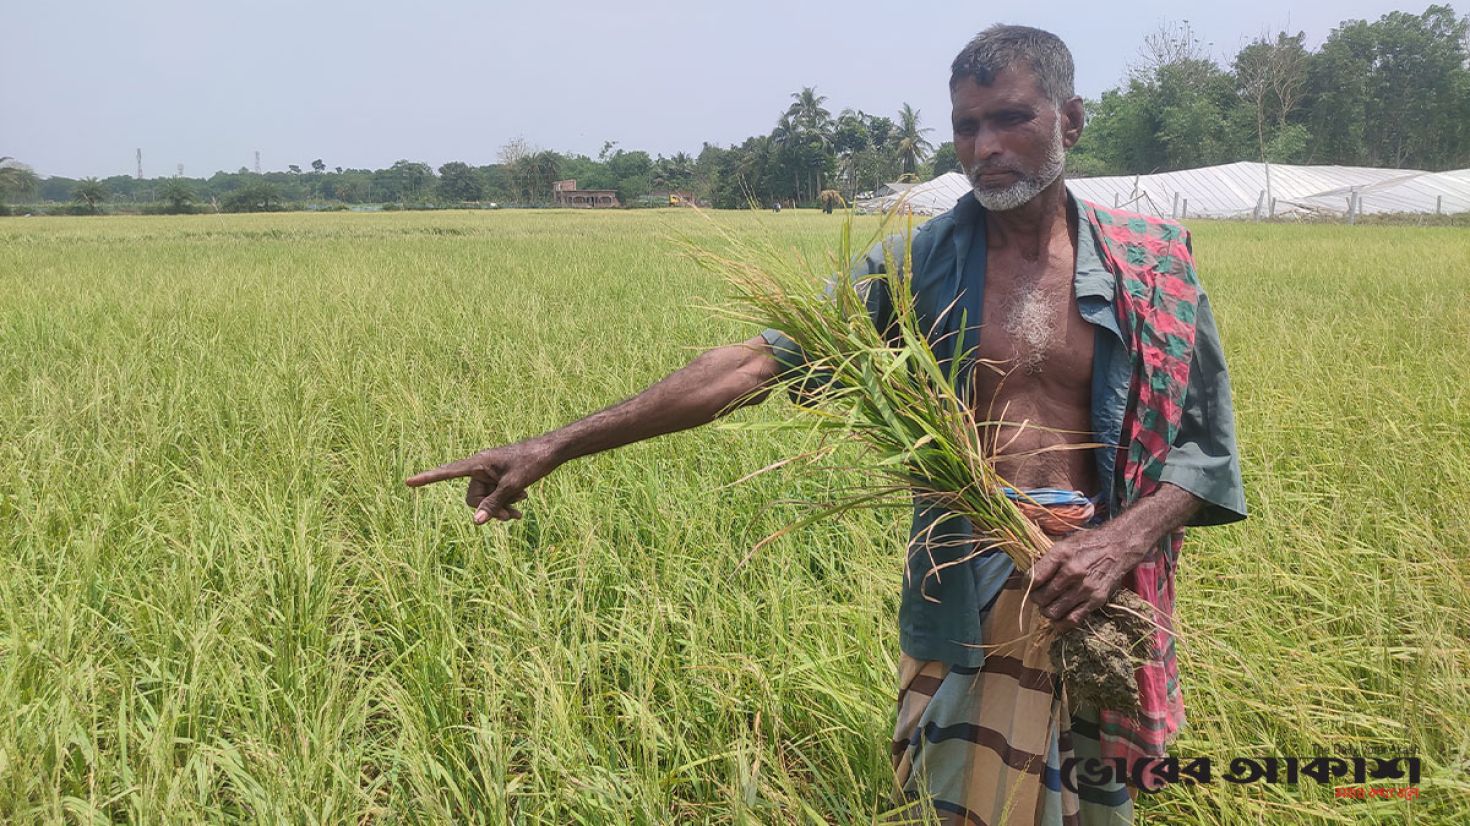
x,y
986,745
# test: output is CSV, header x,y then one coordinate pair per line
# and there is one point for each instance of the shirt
x,y
939,615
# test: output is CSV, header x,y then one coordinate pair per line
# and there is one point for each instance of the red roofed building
x,y
566,194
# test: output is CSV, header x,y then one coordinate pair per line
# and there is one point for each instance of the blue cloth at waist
x,y
1049,497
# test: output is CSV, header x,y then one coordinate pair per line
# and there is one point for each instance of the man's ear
x,y
1074,117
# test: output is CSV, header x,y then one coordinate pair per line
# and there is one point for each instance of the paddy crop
x,y
219,603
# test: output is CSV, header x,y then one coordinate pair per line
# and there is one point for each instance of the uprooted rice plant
x,y
893,394
220,604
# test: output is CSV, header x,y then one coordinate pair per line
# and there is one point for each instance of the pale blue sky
x,y
360,84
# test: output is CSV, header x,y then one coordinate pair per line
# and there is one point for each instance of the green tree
x,y
497,183
1395,92
1121,135
632,174
804,137
404,181
16,179
911,145
880,164
459,181
851,141
255,196
542,170
319,166
786,141
1271,79
806,111
944,160
1196,101
675,173
89,193
178,195
514,159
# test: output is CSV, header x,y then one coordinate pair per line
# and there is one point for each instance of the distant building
x,y
566,194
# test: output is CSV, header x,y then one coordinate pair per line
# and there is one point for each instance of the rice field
x,y
219,603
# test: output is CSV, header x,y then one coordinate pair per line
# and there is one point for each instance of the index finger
x,y
452,470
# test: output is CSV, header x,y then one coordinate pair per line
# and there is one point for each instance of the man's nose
x,y
987,144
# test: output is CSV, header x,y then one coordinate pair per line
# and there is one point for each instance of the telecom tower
x,y
181,171
140,163
257,161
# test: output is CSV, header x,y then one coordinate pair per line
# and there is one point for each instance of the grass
x,y
218,602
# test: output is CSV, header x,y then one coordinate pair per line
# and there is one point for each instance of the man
x,y
1094,331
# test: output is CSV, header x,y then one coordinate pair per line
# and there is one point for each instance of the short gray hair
x,y
1001,47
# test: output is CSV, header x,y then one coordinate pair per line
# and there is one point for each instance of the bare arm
x,y
716,382
713,384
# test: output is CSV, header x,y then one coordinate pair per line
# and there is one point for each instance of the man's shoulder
x,y
942,223
936,233
921,242
1124,225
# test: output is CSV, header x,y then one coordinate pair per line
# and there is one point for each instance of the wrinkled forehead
x,y
1012,86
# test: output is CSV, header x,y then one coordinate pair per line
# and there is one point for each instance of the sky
x,y
206,83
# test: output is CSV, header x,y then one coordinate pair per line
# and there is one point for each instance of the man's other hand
x,y
1080,573
498,478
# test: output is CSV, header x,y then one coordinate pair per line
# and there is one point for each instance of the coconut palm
x,y
807,113
787,140
16,178
910,143
810,125
673,172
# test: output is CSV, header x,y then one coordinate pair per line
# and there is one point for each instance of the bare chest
x,y
1031,333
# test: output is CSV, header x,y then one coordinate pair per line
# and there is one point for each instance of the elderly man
x,y
1087,327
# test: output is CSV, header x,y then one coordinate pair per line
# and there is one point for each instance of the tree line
x,y
1393,92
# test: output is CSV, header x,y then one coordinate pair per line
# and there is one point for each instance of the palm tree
x,y
910,143
807,112
673,172
786,138
815,129
91,192
751,171
178,194
15,178
545,168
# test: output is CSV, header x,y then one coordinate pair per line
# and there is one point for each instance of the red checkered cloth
x,y
1156,301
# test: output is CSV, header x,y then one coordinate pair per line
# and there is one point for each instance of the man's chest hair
x,y
1030,321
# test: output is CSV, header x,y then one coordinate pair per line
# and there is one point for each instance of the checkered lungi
x,y
986,745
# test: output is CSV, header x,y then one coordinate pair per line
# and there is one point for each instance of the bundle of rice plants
x,y
897,399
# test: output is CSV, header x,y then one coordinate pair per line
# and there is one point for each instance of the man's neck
x,y
1030,226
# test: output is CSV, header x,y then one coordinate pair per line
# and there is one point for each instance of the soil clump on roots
x,y
1098,658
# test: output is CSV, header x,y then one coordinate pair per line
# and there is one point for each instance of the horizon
x,y
459,81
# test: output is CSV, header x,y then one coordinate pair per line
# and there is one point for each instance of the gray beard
x,y
1027,186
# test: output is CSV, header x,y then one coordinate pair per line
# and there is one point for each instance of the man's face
x,y
1010,138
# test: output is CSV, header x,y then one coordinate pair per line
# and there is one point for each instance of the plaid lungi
x,y
986,745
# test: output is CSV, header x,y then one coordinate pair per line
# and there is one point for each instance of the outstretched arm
x,y
713,384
